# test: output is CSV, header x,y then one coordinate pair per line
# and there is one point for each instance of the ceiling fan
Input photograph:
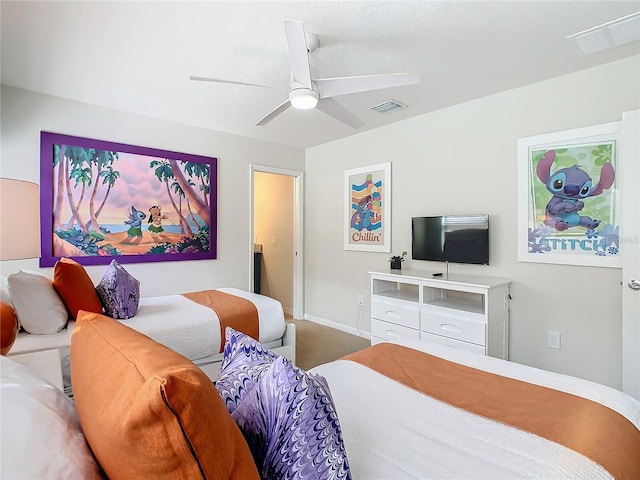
x,y
306,92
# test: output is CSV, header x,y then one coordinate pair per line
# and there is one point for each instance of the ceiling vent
x,y
388,106
609,35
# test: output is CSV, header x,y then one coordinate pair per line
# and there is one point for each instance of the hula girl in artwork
x,y
155,218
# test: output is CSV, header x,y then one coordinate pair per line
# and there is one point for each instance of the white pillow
x,y
41,436
38,306
5,296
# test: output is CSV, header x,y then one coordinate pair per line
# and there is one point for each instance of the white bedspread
x,y
188,328
193,330
394,432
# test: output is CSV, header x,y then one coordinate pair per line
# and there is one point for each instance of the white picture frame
x,y
551,169
367,215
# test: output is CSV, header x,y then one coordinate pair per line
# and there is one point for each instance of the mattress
x,y
394,432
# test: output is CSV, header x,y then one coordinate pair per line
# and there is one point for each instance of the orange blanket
x,y
587,427
235,312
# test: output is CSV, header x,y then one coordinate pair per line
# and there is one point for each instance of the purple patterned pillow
x,y
286,414
119,292
291,425
244,360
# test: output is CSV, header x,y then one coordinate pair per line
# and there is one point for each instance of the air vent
x,y
388,106
609,35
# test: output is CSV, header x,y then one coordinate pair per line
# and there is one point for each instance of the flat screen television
x,y
451,238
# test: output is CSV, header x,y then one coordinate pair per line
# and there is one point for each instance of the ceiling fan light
x,y
304,98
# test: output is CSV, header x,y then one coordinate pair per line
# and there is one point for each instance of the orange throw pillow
x,y
8,327
75,287
147,411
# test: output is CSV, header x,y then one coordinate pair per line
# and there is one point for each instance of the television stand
x,y
462,311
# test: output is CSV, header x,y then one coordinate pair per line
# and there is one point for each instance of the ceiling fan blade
x,y
298,54
337,111
274,113
218,80
333,87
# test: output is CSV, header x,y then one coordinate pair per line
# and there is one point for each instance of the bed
x,y
364,424
191,323
193,329
184,325
430,438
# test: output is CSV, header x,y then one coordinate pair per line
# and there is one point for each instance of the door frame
x,y
298,233
630,153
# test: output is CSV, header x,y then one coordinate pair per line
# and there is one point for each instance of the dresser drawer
x,y
450,342
390,331
460,328
395,313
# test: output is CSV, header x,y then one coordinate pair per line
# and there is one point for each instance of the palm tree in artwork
x,y
82,175
178,190
102,160
59,166
85,166
109,178
164,173
198,199
74,158
202,173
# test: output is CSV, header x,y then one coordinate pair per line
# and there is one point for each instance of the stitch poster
x,y
102,200
368,208
571,208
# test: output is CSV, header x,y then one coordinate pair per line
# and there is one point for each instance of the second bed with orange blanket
x,y
459,415
192,323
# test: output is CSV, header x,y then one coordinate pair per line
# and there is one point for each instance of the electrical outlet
x,y
361,300
553,340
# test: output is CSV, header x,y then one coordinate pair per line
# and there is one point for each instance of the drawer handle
x,y
393,333
391,313
450,328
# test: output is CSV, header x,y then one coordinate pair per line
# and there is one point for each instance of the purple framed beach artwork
x,y
101,200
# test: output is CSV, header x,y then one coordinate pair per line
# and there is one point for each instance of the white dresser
x,y
461,311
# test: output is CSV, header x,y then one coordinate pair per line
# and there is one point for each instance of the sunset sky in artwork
x,y
137,186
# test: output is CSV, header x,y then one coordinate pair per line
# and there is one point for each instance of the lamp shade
x,y
19,219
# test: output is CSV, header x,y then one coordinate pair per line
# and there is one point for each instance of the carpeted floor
x,y
317,344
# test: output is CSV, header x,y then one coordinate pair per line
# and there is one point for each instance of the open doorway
x,y
276,231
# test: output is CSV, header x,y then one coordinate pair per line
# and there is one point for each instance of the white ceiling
x,y
138,56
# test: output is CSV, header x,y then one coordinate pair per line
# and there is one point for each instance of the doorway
x,y
276,230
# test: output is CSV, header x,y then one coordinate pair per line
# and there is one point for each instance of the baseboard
x,y
288,311
337,326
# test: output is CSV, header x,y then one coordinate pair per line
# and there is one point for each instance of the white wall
x,y
24,114
460,160
457,160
